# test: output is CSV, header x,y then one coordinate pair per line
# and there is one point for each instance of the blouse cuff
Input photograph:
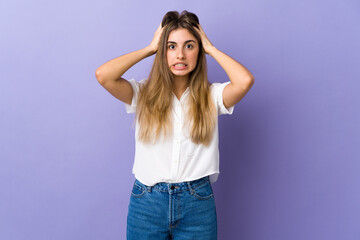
x,y
131,108
223,109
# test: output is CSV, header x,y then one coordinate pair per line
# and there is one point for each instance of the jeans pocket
x,y
137,190
204,191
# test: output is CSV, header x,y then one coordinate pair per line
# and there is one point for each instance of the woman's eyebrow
x,y
185,41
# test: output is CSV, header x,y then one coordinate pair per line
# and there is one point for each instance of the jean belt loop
x,y
190,188
149,188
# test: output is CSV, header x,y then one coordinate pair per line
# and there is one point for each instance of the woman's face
x,y
182,52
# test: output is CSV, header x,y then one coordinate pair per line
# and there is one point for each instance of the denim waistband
x,y
175,187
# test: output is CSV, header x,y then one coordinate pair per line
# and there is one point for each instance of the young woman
x,y
176,109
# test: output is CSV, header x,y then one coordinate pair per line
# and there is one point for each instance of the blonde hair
x,y
154,106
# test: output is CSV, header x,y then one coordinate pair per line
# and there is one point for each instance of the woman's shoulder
x,y
219,84
218,87
136,84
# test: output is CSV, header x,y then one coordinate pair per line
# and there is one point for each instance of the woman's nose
x,y
180,54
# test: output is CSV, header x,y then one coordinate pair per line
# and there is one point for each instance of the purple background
x,y
289,153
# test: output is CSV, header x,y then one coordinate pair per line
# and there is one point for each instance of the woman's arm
x,y
241,79
109,74
115,68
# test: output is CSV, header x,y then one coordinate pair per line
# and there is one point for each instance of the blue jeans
x,y
177,211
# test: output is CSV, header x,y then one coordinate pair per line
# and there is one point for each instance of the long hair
x,y
154,106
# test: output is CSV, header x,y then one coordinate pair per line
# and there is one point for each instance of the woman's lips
x,y
180,66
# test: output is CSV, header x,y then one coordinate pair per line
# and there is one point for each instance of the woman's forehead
x,y
180,35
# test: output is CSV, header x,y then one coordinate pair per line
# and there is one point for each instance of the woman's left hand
x,y
204,39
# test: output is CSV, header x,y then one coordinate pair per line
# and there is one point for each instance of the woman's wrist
x,y
210,50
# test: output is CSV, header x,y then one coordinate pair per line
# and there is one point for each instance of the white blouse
x,y
178,159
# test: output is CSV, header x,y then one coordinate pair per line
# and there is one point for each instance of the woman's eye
x,y
171,46
189,46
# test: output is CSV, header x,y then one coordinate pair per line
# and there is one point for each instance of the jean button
x,y
172,187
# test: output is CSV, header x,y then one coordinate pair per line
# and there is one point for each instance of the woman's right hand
x,y
156,39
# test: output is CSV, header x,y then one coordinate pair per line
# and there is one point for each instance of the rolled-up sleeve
x,y
131,108
218,92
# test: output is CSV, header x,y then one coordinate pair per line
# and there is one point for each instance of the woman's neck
x,y
180,84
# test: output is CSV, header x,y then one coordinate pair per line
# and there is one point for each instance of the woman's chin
x,y
180,74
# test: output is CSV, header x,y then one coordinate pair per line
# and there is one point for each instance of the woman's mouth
x,y
180,66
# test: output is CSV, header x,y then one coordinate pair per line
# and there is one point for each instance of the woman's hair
x,y
154,106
